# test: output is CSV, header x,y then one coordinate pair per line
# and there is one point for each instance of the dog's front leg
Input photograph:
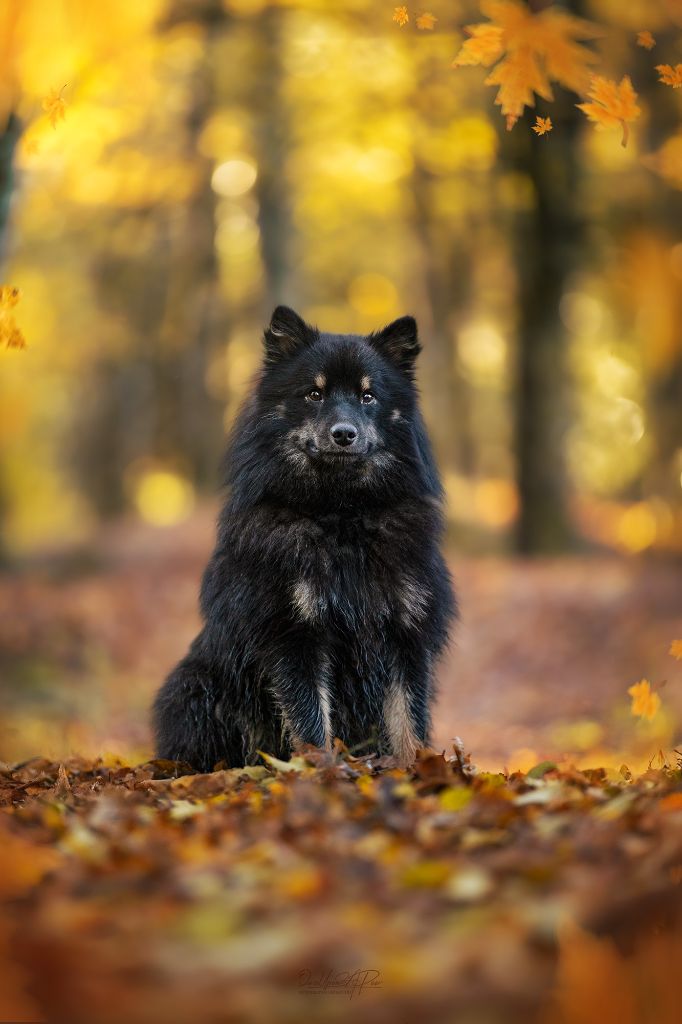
x,y
300,684
406,717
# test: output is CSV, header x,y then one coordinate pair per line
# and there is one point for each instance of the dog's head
x,y
337,413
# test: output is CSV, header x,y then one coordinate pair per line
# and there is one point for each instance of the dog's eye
x,y
315,395
367,398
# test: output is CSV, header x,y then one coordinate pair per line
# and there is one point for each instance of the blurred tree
x,y
663,225
271,127
149,403
548,237
8,141
448,280
219,156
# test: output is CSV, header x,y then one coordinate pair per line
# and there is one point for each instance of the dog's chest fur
x,y
358,574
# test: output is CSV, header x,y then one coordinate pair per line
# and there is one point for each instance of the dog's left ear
x,y
399,343
285,333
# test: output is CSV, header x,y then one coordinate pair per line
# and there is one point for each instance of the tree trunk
x,y
547,243
8,142
546,240
271,125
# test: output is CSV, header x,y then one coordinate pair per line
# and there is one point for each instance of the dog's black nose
x,y
343,434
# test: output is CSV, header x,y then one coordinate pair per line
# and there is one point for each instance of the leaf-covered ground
x,y
342,889
332,888
540,665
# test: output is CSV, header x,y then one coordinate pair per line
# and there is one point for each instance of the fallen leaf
x,y
542,125
670,75
612,104
426,21
539,771
645,704
11,335
455,798
483,47
646,40
401,16
54,106
62,788
671,803
295,764
536,49
676,649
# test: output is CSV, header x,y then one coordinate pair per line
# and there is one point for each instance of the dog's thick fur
x,y
326,601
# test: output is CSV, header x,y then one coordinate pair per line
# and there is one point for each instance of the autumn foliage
x,y
612,104
529,51
11,335
163,162
283,890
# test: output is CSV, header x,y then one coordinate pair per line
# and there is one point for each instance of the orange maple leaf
x,y
401,16
612,104
676,649
54,106
670,75
542,125
10,334
646,40
645,704
483,47
533,50
426,21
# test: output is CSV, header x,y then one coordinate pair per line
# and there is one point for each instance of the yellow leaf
x,y
300,883
401,16
454,798
645,704
426,21
535,50
295,764
54,106
612,104
676,649
542,125
10,334
426,874
646,40
670,75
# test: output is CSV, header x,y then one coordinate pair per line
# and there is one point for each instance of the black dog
x,y
326,601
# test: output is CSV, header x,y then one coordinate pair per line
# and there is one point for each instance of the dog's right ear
x,y
285,333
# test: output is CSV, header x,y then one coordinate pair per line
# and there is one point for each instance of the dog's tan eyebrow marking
x,y
320,380
364,383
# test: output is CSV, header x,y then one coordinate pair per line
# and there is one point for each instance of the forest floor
x,y
539,667
539,879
